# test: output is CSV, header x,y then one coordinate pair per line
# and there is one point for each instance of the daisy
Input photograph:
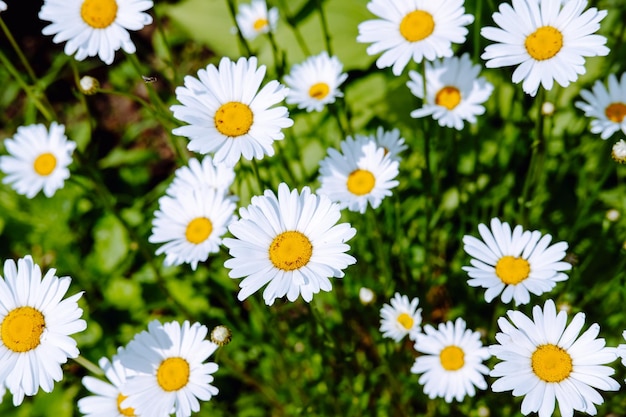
x,y
401,318
228,114
391,141
454,92
35,325
291,242
548,39
315,82
254,19
415,29
362,174
546,362
205,174
514,263
618,153
95,27
3,7
171,370
38,159
452,364
607,107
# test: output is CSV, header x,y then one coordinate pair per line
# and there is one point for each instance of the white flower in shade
x,y
315,82
401,318
38,159
390,141
606,107
171,370
95,27
366,295
454,92
205,174
619,151
417,29
191,224
35,325
228,114
547,39
546,362
452,364
291,242
3,7
254,19
514,263
621,350
362,174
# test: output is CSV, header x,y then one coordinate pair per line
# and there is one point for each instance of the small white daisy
x,y
391,141
95,27
621,350
254,19
452,364
38,159
205,174
547,39
362,174
417,29
36,325
606,107
3,7
618,153
454,92
228,114
315,82
514,263
291,242
401,318
547,362
171,370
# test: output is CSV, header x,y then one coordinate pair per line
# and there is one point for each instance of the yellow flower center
x,y
233,119
129,411
551,363
260,24
45,164
452,358
615,112
290,250
99,14
448,97
544,43
22,328
198,230
406,321
361,182
319,90
173,374
512,270
417,25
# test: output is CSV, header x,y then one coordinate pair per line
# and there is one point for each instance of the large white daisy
x,y
291,242
606,107
547,39
546,362
35,327
514,263
417,29
95,27
228,114
254,19
400,318
205,174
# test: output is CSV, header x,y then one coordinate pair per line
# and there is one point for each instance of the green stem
x,y
295,28
257,175
18,51
325,30
428,177
242,41
279,62
89,365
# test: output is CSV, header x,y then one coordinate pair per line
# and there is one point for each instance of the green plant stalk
x,y
294,27
161,31
279,62
325,30
428,177
89,365
18,51
242,41
257,175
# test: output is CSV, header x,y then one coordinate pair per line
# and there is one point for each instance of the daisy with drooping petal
x,y
254,19
401,318
228,114
413,29
315,82
391,141
291,242
171,370
618,153
452,364
606,107
95,27
546,362
514,263
547,39
38,159
205,174
35,325
454,92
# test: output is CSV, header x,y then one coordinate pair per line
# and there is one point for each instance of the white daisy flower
x,y
254,19
454,92
547,39
391,141
547,362
452,364
291,242
606,107
172,372
401,318
618,152
315,82
514,263
38,159
362,174
35,326
417,29
228,114
621,350
205,174
95,27
3,7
